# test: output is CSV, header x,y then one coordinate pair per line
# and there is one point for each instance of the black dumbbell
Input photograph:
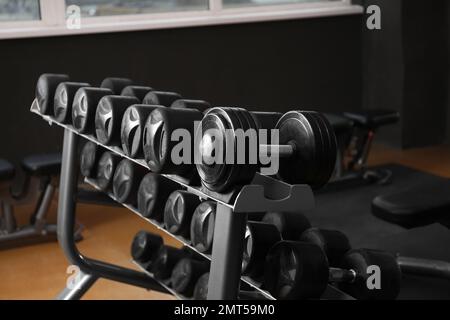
x,y
136,91
180,207
90,155
201,287
259,238
165,260
64,98
334,243
108,118
152,195
307,147
161,98
105,170
300,270
290,224
126,181
133,122
116,85
45,91
145,246
158,142
202,226
191,104
185,275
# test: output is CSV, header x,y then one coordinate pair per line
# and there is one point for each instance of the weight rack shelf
x,y
262,195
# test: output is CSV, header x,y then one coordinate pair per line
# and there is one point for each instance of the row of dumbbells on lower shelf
x,y
141,121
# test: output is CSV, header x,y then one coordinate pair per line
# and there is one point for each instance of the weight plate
x,y
290,224
180,207
106,168
89,157
161,98
186,274
145,245
127,178
116,85
64,97
165,260
202,226
45,91
136,91
201,287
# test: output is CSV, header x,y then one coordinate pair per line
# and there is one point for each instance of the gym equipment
x,y
45,91
136,91
133,123
145,246
160,98
186,274
201,287
165,260
259,238
202,226
108,118
200,105
64,98
307,148
180,207
126,181
105,170
89,158
152,194
158,143
290,224
116,85
299,270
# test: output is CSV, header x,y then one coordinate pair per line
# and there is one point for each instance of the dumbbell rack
x,y
262,195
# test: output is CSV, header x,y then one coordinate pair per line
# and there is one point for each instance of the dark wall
x,y
307,63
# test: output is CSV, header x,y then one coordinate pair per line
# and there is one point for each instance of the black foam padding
x,y
45,91
90,155
161,98
108,118
145,246
105,170
136,91
46,164
116,85
201,287
158,143
126,181
133,122
186,274
191,104
165,260
7,170
373,119
84,107
290,224
153,192
202,226
178,211
64,97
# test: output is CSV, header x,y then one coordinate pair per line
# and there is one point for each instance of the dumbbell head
x,y
202,226
105,170
296,270
191,104
116,85
161,98
259,238
389,277
165,260
89,158
45,91
290,224
64,97
133,122
201,287
180,207
84,106
152,195
185,275
157,139
334,243
136,91
126,181
315,148
145,245
108,118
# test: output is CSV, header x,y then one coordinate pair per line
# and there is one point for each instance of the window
x,y
19,10
239,3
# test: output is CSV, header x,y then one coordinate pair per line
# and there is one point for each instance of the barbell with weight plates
x,y
105,170
161,98
89,158
144,247
202,226
290,224
126,181
185,275
307,148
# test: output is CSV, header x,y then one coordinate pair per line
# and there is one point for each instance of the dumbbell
x,y
202,226
108,118
144,247
45,91
300,270
157,139
126,181
259,238
89,158
185,275
165,260
180,207
116,85
201,287
161,98
136,91
132,127
307,148
191,104
105,170
290,224
64,98
152,195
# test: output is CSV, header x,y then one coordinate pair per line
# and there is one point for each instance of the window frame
x,y
53,21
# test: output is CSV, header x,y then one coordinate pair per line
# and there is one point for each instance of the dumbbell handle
x,y
341,275
424,267
282,150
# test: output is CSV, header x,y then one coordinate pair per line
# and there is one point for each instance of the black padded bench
x,y
7,170
42,165
373,119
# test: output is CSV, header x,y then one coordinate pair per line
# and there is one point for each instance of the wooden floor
x,y
39,271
